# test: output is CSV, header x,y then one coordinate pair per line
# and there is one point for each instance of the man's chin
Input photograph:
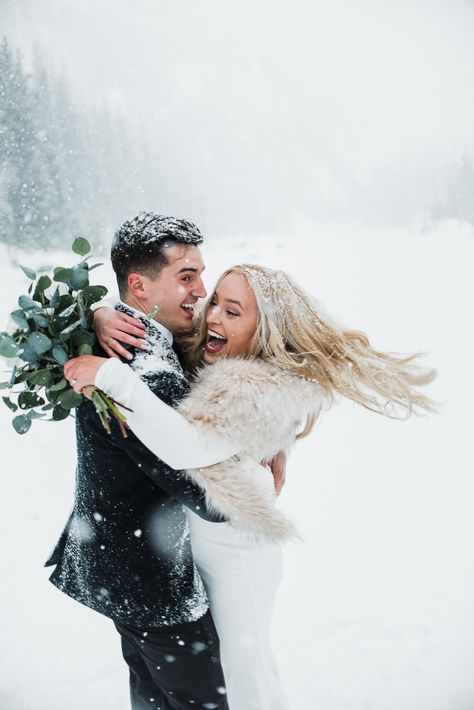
x,y
183,328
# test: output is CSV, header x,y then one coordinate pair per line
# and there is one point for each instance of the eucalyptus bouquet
x,y
53,324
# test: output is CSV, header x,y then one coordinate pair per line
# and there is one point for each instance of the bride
x,y
275,362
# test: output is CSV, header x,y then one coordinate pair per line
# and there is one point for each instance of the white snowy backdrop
x,y
330,139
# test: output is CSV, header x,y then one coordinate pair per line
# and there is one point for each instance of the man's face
x,y
176,289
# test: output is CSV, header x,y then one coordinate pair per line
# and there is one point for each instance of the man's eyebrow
x,y
194,269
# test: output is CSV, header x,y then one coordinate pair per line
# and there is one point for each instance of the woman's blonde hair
x,y
293,335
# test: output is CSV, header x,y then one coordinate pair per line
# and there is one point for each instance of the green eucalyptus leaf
x,y
92,294
69,399
29,272
54,302
13,376
81,246
78,279
11,405
40,378
21,423
59,413
35,415
84,349
21,377
40,320
27,354
60,354
61,274
8,347
67,311
83,316
71,327
39,343
4,385
58,386
28,399
27,303
42,284
20,319
54,329
65,300
82,337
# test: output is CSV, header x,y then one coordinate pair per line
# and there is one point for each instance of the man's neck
x,y
129,300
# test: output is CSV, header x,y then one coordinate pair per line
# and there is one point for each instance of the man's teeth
x,y
212,334
189,306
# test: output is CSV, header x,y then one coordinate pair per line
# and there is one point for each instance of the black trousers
x,y
174,667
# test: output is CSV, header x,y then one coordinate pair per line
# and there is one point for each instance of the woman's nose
x,y
213,315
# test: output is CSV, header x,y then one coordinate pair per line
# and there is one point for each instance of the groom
x,y
125,551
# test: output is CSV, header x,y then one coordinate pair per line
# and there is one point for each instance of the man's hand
x,y
81,371
113,328
278,468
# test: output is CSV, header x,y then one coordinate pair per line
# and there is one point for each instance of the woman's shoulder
x,y
247,370
244,376
240,387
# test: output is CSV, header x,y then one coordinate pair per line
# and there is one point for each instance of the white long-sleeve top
x,y
170,436
238,412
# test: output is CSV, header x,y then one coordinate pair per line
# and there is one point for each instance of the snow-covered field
x,y
375,611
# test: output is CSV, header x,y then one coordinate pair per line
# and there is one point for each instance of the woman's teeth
x,y
213,334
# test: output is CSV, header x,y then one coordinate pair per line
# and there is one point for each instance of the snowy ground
x,y
375,612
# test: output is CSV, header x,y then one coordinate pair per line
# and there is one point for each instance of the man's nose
x,y
198,289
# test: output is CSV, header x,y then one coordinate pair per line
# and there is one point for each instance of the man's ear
x,y
137,285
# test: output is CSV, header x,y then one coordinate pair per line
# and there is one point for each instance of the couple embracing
x,y
175,534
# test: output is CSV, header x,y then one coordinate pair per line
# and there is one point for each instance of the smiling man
x,y
126,551
157,260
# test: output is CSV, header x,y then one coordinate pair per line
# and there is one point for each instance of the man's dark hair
x,y
141,244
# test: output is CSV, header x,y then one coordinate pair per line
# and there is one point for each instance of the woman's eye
x,y
232,314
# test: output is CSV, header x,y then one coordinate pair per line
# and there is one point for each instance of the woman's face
x,y
231,319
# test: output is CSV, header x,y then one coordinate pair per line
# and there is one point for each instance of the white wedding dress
x,y
241,575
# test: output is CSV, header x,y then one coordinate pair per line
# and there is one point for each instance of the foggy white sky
x,y
316,92
401,72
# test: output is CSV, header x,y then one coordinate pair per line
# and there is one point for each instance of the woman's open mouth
x,y
214,342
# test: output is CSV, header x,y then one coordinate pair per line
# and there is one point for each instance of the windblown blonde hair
x,y
293,335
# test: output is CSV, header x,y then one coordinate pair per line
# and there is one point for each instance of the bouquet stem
x,y
106,407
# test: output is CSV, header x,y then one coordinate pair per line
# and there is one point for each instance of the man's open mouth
x,y
214,341
189,308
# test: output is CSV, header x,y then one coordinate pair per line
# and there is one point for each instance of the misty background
x,y
244,117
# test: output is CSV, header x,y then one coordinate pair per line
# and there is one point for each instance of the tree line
x,y
65,169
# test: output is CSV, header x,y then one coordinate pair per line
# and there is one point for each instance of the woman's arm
x,y
164,431
113,327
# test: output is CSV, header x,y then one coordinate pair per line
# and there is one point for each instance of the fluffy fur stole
x,y
262,408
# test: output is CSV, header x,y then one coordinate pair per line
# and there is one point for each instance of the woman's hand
x,y
113,328
81,371
277,466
